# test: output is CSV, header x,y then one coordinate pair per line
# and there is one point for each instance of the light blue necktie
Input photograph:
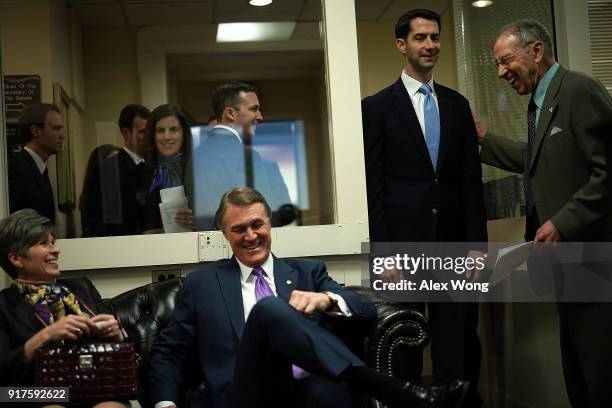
x,y
432,124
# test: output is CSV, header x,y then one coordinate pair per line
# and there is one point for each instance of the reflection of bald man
x,y
42,126
226,159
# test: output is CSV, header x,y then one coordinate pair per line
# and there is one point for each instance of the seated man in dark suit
x,y
252,324
227,159
42,127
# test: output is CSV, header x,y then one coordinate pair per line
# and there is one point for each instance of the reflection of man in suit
x,y
424,182
113,190
252,323
42,127
226,159
567,186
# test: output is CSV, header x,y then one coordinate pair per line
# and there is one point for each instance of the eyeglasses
x,y
508,59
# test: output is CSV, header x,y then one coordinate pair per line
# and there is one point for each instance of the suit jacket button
x,y
434,211
436,180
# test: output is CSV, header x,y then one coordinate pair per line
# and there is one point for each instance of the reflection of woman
x,y
38,310
167,155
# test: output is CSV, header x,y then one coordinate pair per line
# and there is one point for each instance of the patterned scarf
x,y
168,173
51,301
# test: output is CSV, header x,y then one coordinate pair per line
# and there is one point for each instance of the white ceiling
x,y
144,13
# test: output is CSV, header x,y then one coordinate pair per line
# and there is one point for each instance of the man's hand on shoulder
x,y
481,130
310,302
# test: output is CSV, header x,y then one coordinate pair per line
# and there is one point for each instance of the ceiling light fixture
x,y
482,3
260,3
243,32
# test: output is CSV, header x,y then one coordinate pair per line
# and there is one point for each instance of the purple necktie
x,y
263,290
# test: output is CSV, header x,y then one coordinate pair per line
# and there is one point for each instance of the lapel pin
x,y
550,109
288,281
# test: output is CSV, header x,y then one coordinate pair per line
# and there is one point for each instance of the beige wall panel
x,y
111,78
110,81
25,46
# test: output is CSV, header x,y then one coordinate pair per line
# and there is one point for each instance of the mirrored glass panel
x,y
138,145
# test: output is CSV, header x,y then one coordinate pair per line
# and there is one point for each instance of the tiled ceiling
x,y
208,13
261,64
145,13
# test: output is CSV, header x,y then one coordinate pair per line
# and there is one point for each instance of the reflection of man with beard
x,y
226,158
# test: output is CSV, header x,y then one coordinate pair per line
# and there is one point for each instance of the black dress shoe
x,y
425,396
417,395
449,396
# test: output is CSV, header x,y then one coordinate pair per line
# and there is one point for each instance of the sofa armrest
x,y
143,312
397,326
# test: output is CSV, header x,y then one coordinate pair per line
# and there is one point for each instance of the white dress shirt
x,y
137,159
418,99
231,129
247,283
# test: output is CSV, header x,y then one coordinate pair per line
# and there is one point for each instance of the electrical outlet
x,y
158,276
213,246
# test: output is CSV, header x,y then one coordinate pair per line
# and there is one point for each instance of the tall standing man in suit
x,y
252,324
42,127
424,182
226,159
114,191
567,184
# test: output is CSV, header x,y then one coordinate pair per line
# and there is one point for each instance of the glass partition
x,y
107,55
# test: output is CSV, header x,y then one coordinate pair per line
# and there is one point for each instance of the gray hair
x,y
20,231
240,196
529,31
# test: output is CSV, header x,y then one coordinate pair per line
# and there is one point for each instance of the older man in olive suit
x,y
567,185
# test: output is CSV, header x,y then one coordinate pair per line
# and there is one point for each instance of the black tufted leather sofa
x,y
143,312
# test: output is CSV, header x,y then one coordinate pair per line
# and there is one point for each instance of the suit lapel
x,y
549,106
285,279
228,276
403,104
445,114
40,179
